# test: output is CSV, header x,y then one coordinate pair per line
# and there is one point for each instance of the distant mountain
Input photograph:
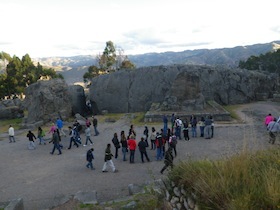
x,y
73,68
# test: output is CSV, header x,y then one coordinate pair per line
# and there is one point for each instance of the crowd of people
x,y
163,141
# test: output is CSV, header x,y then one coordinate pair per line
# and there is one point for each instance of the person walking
x,y
41,135
273,129
72,137
131,142
88,134
11,132
142,145
108,159
59,125
94,123
116,143
55,141
124,145
172,143
268,119
168,160
90,157
31,137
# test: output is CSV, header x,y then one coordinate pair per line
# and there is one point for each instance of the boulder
x,y
11,108
178,88
47,100
78,100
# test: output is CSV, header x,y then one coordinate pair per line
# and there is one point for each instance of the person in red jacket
x,y
131,142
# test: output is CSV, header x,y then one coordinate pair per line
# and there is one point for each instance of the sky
x,y
47,28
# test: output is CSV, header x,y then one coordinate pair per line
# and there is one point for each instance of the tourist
x,y
273,128
178,127
131,131
52,129
193,122
212,126
186,130
168,160
201,126
94,123
159,145
131,142
124,145
173,143
207,128
153,138
88,134
165,122
108,160
31,137
11,132
90,157
116,143
172,121
142,148
88,122
72,137
146,134
268,119
41,135
55,141
164,140
59,125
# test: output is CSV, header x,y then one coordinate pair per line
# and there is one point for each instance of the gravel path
x,y
42,179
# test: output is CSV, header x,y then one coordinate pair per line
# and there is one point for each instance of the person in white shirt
x,y
273,128
11,132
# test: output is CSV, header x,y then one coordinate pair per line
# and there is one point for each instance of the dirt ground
x,y
42,179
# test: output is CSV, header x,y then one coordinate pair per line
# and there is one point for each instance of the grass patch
x,y
245,181
5,124
232,111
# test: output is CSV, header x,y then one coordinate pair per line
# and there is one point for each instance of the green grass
x,y
232,110
246,181
4,124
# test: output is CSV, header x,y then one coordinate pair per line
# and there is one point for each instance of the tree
x,y
108,59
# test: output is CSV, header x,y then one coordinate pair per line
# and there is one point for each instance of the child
x,y
90,157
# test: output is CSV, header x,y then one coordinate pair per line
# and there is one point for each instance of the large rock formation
x,y
179,88
11,108
47,100
78,100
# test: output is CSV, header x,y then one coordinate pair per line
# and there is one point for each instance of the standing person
x,y
193,122
72,137
201,126
159,145
153,138
94,123
268,119
173,143
11,132
116,143
90,157
172,121
178,125
124,145
273,129
88,134
142,148
31,137
131,142
146,135
59,125
41,135
108,159
165,122
131,131
55,141
212,126
207,129
168,160
186,130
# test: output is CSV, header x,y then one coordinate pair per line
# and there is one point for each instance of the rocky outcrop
x,y
47,100
78,100
179,88
11,108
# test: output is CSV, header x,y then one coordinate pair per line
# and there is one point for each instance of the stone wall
x,y
179,88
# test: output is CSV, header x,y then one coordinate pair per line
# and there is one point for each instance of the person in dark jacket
x,y
142,148
168,160
124,145
90,157
116,143
55,141
108,159
31,137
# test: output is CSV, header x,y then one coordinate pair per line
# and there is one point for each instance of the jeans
x,y
144,153
74,141
88,139
131,158
90,165
41,140
159,153
124,151
201,131
208,131
56,146
12,138
194,132
95,130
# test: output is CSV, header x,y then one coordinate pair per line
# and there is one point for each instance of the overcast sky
x,y
44,28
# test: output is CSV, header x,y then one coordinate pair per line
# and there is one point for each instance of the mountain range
x,y
73,68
